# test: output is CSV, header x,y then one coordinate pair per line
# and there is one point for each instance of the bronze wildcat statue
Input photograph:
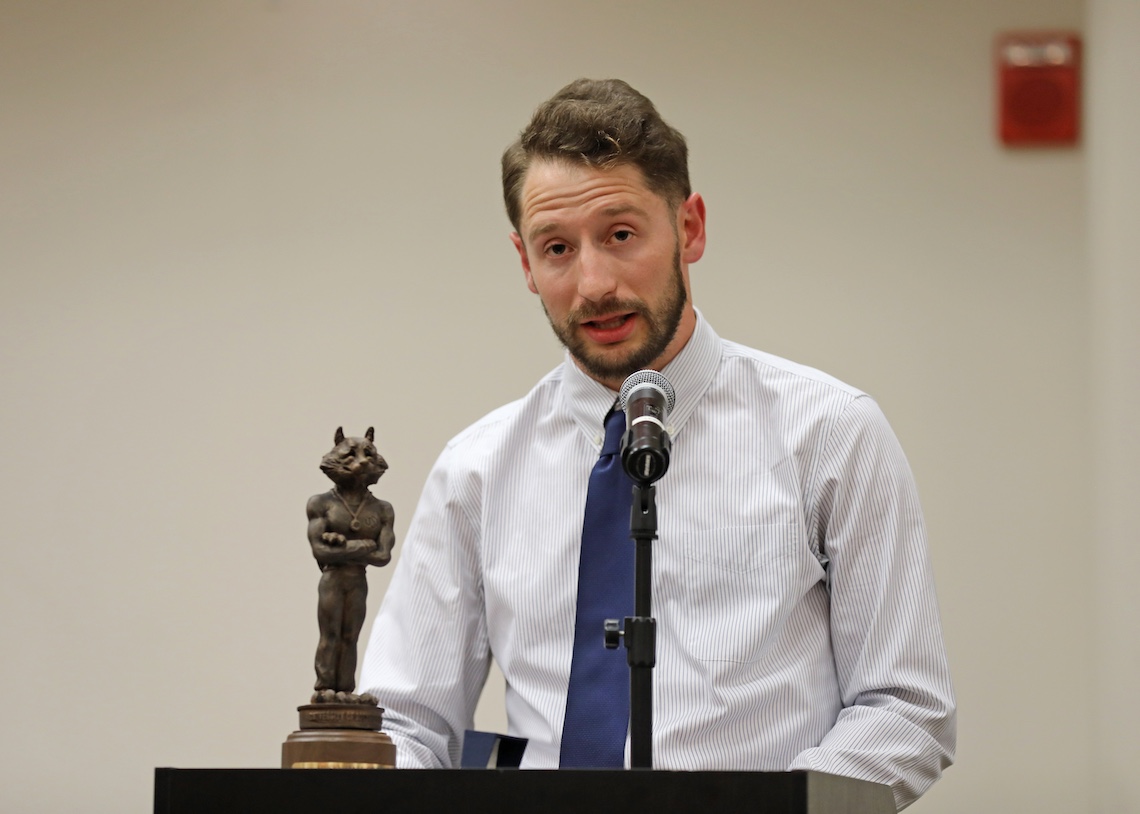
x,y
349,529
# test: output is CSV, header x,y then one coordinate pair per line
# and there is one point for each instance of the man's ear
x,y
691,217
515,239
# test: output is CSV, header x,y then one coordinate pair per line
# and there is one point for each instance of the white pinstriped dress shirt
x,y
797,625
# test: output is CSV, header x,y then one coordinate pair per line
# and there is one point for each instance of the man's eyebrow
x,y
539,231
624,209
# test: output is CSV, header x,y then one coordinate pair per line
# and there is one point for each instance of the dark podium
x,y
506,791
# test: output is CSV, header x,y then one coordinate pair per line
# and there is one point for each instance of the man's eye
x,y
557,249
622,235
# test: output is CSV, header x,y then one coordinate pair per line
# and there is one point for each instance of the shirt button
x,y
597,440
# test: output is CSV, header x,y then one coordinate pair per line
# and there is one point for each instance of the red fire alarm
x,y
1039,88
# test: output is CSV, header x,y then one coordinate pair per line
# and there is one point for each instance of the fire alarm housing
x,y
1039,88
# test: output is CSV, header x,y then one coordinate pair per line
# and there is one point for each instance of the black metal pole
x,y
641,629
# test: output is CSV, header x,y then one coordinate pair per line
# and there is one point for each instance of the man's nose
x,y
597,274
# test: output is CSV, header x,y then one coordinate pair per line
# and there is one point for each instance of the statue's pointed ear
x,y
339,435
371,434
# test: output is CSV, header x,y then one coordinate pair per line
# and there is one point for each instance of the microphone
x,y
646,397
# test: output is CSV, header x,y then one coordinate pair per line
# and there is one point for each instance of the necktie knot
x,y
615,428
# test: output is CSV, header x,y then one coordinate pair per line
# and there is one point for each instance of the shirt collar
x,y
691,372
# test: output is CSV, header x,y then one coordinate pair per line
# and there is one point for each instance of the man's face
x,y
609,259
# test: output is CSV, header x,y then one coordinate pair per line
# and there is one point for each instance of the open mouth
x,y
611,328
609,324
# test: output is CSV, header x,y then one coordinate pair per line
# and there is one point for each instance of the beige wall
x,y
1114,242
226,228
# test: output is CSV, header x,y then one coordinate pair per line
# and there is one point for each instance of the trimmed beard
x,y
661,322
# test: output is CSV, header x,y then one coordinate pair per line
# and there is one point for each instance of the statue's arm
x,y
387,539
330,548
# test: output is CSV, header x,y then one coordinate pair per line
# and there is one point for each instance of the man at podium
x,y
797,625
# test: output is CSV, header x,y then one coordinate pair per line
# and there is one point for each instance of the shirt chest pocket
x,y
738,587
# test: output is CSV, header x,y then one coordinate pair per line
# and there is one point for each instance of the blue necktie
x,y
597,703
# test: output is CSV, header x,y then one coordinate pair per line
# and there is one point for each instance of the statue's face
x,y
354,460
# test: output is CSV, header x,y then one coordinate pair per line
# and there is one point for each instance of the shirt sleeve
x,y
428,656
898,722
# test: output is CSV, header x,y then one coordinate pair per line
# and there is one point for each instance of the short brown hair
x,y
603,123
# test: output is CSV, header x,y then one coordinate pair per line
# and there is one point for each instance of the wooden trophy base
x,y
339,736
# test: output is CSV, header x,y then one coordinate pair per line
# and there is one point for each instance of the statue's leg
x,y
355,608
330,617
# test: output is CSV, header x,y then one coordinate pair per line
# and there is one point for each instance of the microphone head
x,y
648,377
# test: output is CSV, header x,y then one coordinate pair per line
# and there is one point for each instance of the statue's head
x,y
353,461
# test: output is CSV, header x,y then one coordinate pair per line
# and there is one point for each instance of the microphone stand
x,y
646,398
640,631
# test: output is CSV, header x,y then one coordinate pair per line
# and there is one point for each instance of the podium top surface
x,y
504,791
